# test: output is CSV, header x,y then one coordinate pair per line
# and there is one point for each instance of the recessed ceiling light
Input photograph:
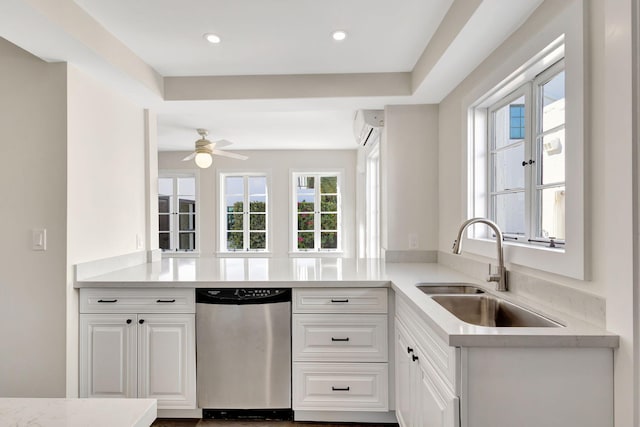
x,y
212,38
339,35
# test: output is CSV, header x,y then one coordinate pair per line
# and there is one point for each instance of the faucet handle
x,y
492,277
455,242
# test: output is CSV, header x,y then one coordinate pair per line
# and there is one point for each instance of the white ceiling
x,y
427,47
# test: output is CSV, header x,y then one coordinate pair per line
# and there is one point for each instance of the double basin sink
x,y
472,305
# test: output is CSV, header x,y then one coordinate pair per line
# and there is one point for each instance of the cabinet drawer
x,y
340,300
340,386
118,300
442,357
340,337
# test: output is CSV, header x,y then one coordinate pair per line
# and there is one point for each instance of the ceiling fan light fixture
x,y
203,160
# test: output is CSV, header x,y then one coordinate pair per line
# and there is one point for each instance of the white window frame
x,y
174,220
569,261
316,251
222,223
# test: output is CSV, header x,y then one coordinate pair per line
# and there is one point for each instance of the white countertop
x,y
44,412
339,272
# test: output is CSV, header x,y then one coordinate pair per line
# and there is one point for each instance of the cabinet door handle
x,y
339,300
128,321
166,300
107,300
340,339
409,350
340,388
141,321
414,357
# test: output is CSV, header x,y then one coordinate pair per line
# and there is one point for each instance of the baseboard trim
x,y
346,417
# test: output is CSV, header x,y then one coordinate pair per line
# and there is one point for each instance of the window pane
x,y
235,240
165,186
235,204
507,168
257,240
187,204
328,184
329,240
507,122
164,241
328,221
187,222
305,183
329,203
187,186
257,185
235,221
305,204
305,221
164,220
257,222
187,241
552,202
257,204
553,149
509,212
553,102
305,240
164,204
234,185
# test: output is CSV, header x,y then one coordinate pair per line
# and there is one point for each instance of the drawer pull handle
x,y
409,350
166,300
340,388
414,357
340,339
339,300
107,300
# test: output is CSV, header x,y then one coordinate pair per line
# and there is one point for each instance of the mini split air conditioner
x,y
367,125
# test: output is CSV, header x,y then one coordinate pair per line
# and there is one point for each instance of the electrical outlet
x,y
138,241
413,241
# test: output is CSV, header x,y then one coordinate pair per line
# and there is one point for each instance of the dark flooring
x,y
226,423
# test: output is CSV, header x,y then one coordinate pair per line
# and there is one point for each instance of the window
x,y
526,160
244,213
316,212
177,212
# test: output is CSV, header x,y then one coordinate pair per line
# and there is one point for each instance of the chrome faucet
x,y
500,277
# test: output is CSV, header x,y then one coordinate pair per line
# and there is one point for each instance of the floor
x,y
225,423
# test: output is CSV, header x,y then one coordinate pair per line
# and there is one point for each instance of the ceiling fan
x,y
205,150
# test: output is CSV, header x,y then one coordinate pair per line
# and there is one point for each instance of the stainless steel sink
x,y
449,288
487,310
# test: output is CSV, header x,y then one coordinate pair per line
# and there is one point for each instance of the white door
x,y
436,406
405,373
108,355
167,360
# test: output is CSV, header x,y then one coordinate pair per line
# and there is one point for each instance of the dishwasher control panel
x,y
242,295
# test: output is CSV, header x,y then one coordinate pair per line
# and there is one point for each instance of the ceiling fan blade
x,y
189,157
230,154
222,143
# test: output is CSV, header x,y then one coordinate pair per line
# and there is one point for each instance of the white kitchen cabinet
x,y
340,352
496,386
146,355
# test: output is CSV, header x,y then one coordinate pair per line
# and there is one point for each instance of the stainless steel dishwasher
x,y
244,353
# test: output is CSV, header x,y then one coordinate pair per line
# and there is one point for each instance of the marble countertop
x,y
51,412
339,272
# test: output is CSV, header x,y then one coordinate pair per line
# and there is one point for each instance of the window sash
x,y
176,215
251,242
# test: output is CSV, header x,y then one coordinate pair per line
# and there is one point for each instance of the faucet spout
x,y
500,277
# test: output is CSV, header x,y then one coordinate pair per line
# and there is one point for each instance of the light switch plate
x,y
39,239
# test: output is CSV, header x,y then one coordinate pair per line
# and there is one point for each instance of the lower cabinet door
x,y
166,359
108,344
340,386
405,377
436,405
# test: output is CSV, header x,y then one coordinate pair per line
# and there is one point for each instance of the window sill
x,y
180,254
316,254
244,254
567,262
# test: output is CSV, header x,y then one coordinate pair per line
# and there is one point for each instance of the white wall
x,y
279,164
608,164
33,175
106,191
409,157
